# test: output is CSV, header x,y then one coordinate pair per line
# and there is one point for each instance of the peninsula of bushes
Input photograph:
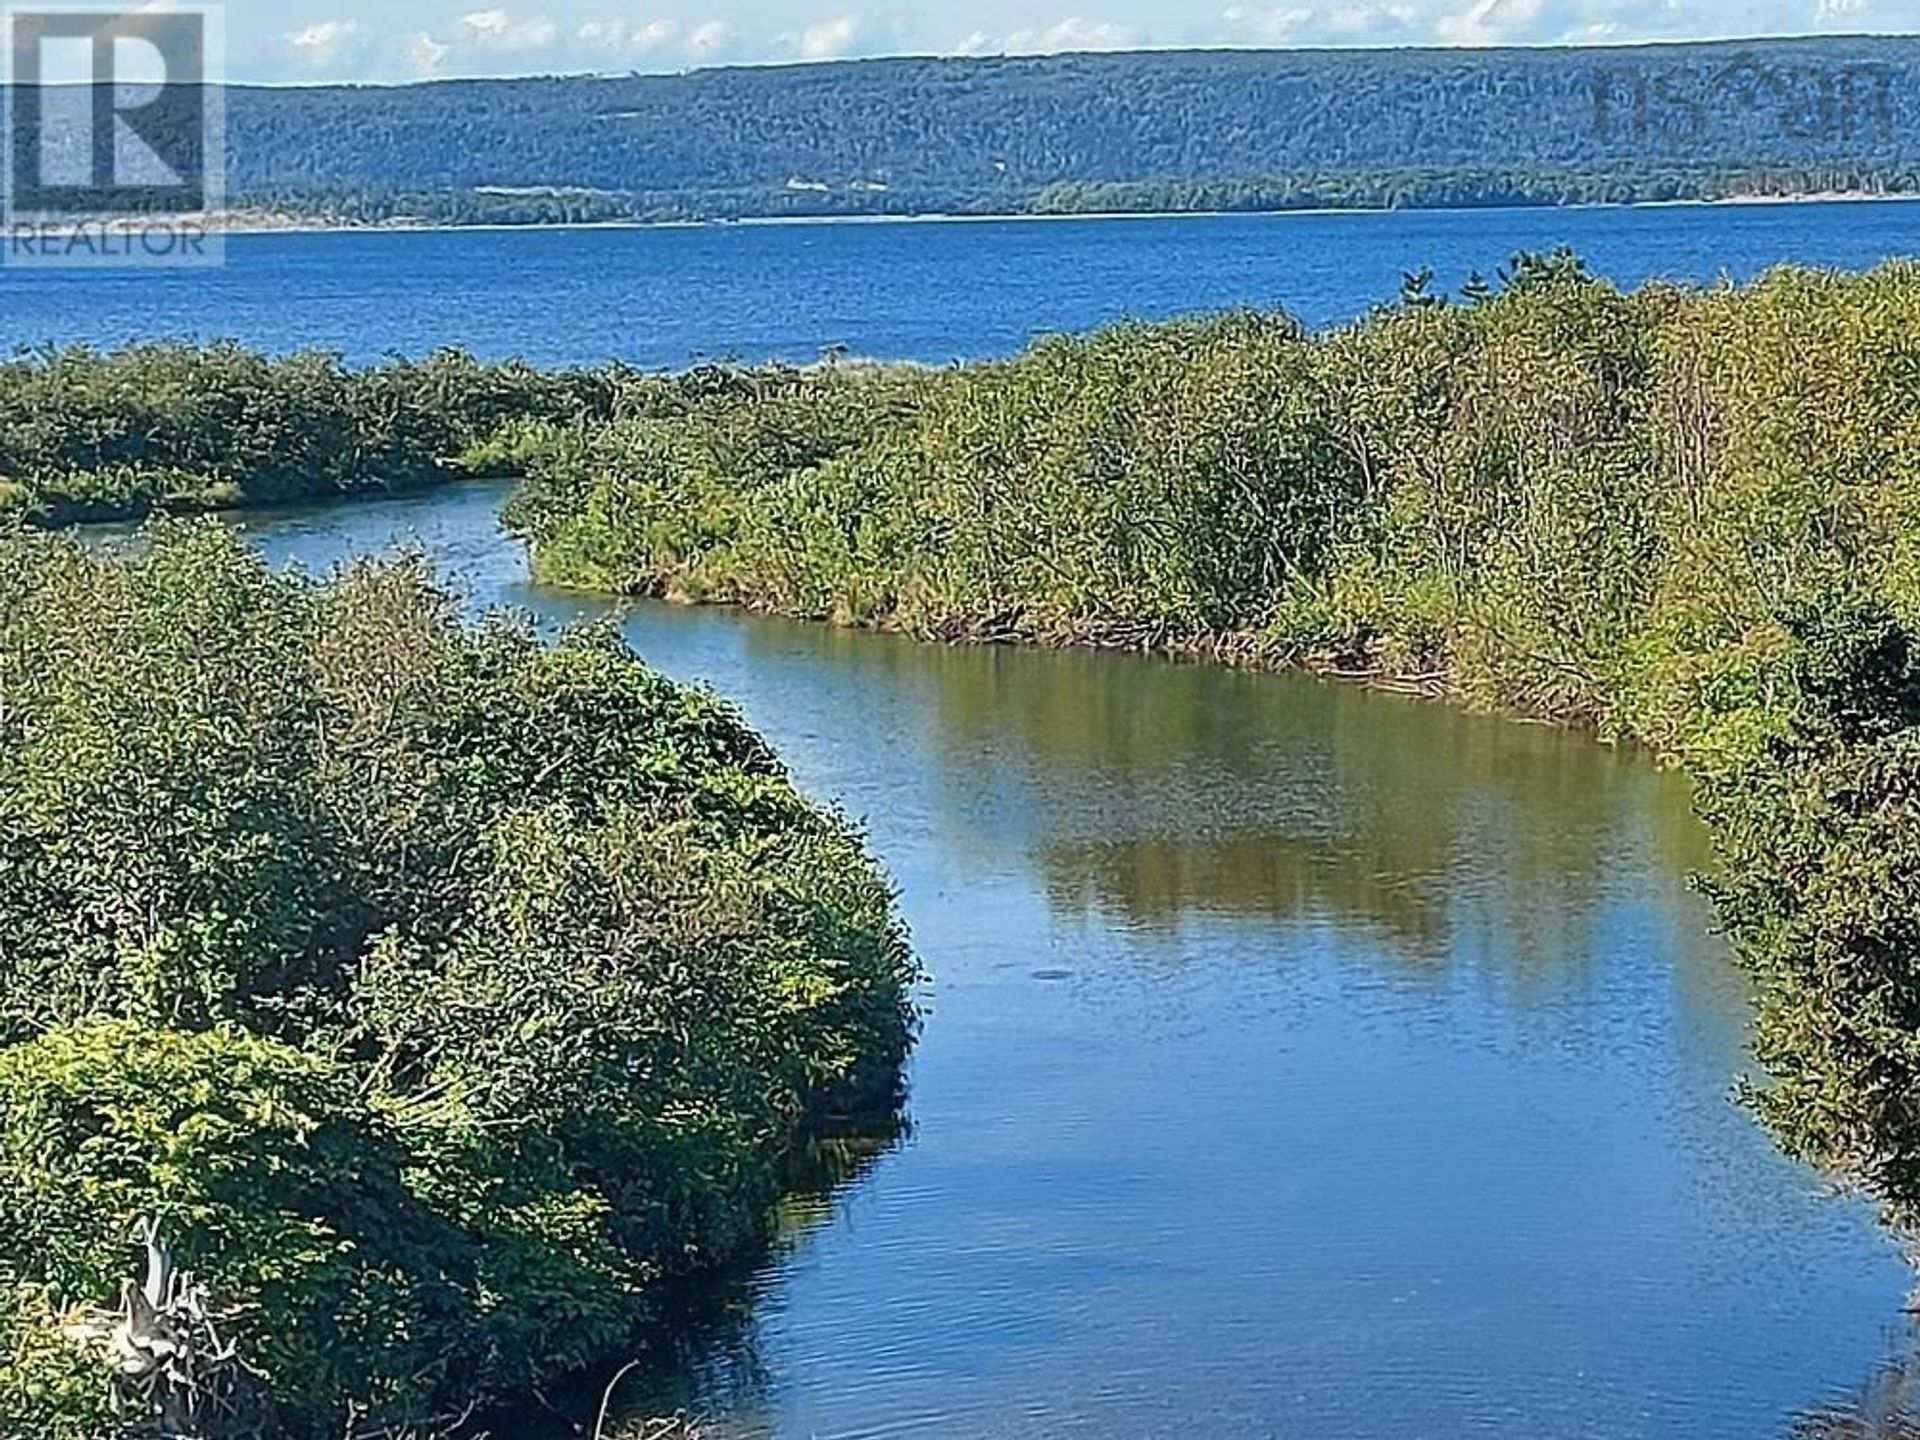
x,y
87,435
434,996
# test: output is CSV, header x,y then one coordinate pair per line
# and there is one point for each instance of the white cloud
x,y
1825,10
484,23
653,34
829,39
325,41
425,54
482,42
1269,27
1489,22
624,35
1346,22
709,39
1463,22
495,30
1349,21
1073,33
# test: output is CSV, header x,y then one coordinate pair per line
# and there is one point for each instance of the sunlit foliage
x,y
86,434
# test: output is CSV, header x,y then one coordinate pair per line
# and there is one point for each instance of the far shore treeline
x,y
1687,517
1164,131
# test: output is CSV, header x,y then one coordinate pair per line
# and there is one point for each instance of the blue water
x,y
924,291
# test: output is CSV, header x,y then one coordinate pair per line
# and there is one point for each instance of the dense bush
x,y
87,434
1570,500
442,992
1820,833
266,1168
1649,512
1150,476
656,500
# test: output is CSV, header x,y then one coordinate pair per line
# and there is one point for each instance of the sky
x,y
294,41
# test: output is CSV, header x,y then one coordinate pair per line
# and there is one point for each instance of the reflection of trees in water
x,y
701,1351
1887,1408
1151,792
1154,881
1154,794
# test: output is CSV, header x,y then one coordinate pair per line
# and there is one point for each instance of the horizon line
x,y
1128,52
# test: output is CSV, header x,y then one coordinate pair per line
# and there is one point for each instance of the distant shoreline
x,y
252,225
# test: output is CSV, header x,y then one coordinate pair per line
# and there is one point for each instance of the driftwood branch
x,y
172,1372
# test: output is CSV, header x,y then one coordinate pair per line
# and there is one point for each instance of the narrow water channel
x,y
1298,1062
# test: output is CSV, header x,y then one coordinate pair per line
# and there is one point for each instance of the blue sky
x,y
390,40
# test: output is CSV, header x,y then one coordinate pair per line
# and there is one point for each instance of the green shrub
x,y
86,434
1573,501
655,502
1819,838
268,1173
50,1389
441,990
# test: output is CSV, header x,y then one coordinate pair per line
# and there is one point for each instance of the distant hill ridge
x,y
1155,130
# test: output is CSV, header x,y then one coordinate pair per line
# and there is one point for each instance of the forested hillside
x,y
1150,130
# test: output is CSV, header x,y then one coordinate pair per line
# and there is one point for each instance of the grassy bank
x,y
95,435
1691,517
438,996
1563,498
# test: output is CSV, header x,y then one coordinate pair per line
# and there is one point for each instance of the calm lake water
x,y
1299,1061
932,292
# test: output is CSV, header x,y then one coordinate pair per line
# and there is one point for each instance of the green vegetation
x,y
443,995
1469,188
687,451
446,996
1164,130
1821,836
88,435
1690,517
